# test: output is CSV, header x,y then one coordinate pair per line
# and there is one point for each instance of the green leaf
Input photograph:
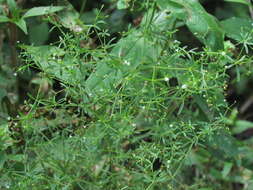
x,y
239,29
239,1
39,33
70,18
4,19
12,5
177,9
38,11
47,59
130,52
241,125
22,25
203,25
104,78
223,145
226,169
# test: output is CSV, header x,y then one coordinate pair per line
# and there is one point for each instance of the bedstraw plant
x,y
137,111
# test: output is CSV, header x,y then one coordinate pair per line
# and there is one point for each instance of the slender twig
x,y
12,43
250,9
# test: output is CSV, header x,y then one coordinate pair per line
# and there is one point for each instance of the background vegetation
x,y
127,94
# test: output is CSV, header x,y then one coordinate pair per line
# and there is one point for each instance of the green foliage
x,y
126,107
16,18
239,29
240,1
203,25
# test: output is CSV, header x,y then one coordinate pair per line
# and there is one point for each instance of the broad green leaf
x,y
239,1
130,52
203,25
177,9
223,145
4,19
241,125
38,34
47,59
70,18
22,25
105,79
38,11
239,29
226,169
12,5
137,49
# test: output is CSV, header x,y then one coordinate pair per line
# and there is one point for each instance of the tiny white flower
x,y
184,86
77,29
171,125
134,124
223,53
166,79
15,74
18,42
158,63
168,163
126,62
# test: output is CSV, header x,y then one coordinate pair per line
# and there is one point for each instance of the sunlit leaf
x,y
239,1
22,25
4,19
38,11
